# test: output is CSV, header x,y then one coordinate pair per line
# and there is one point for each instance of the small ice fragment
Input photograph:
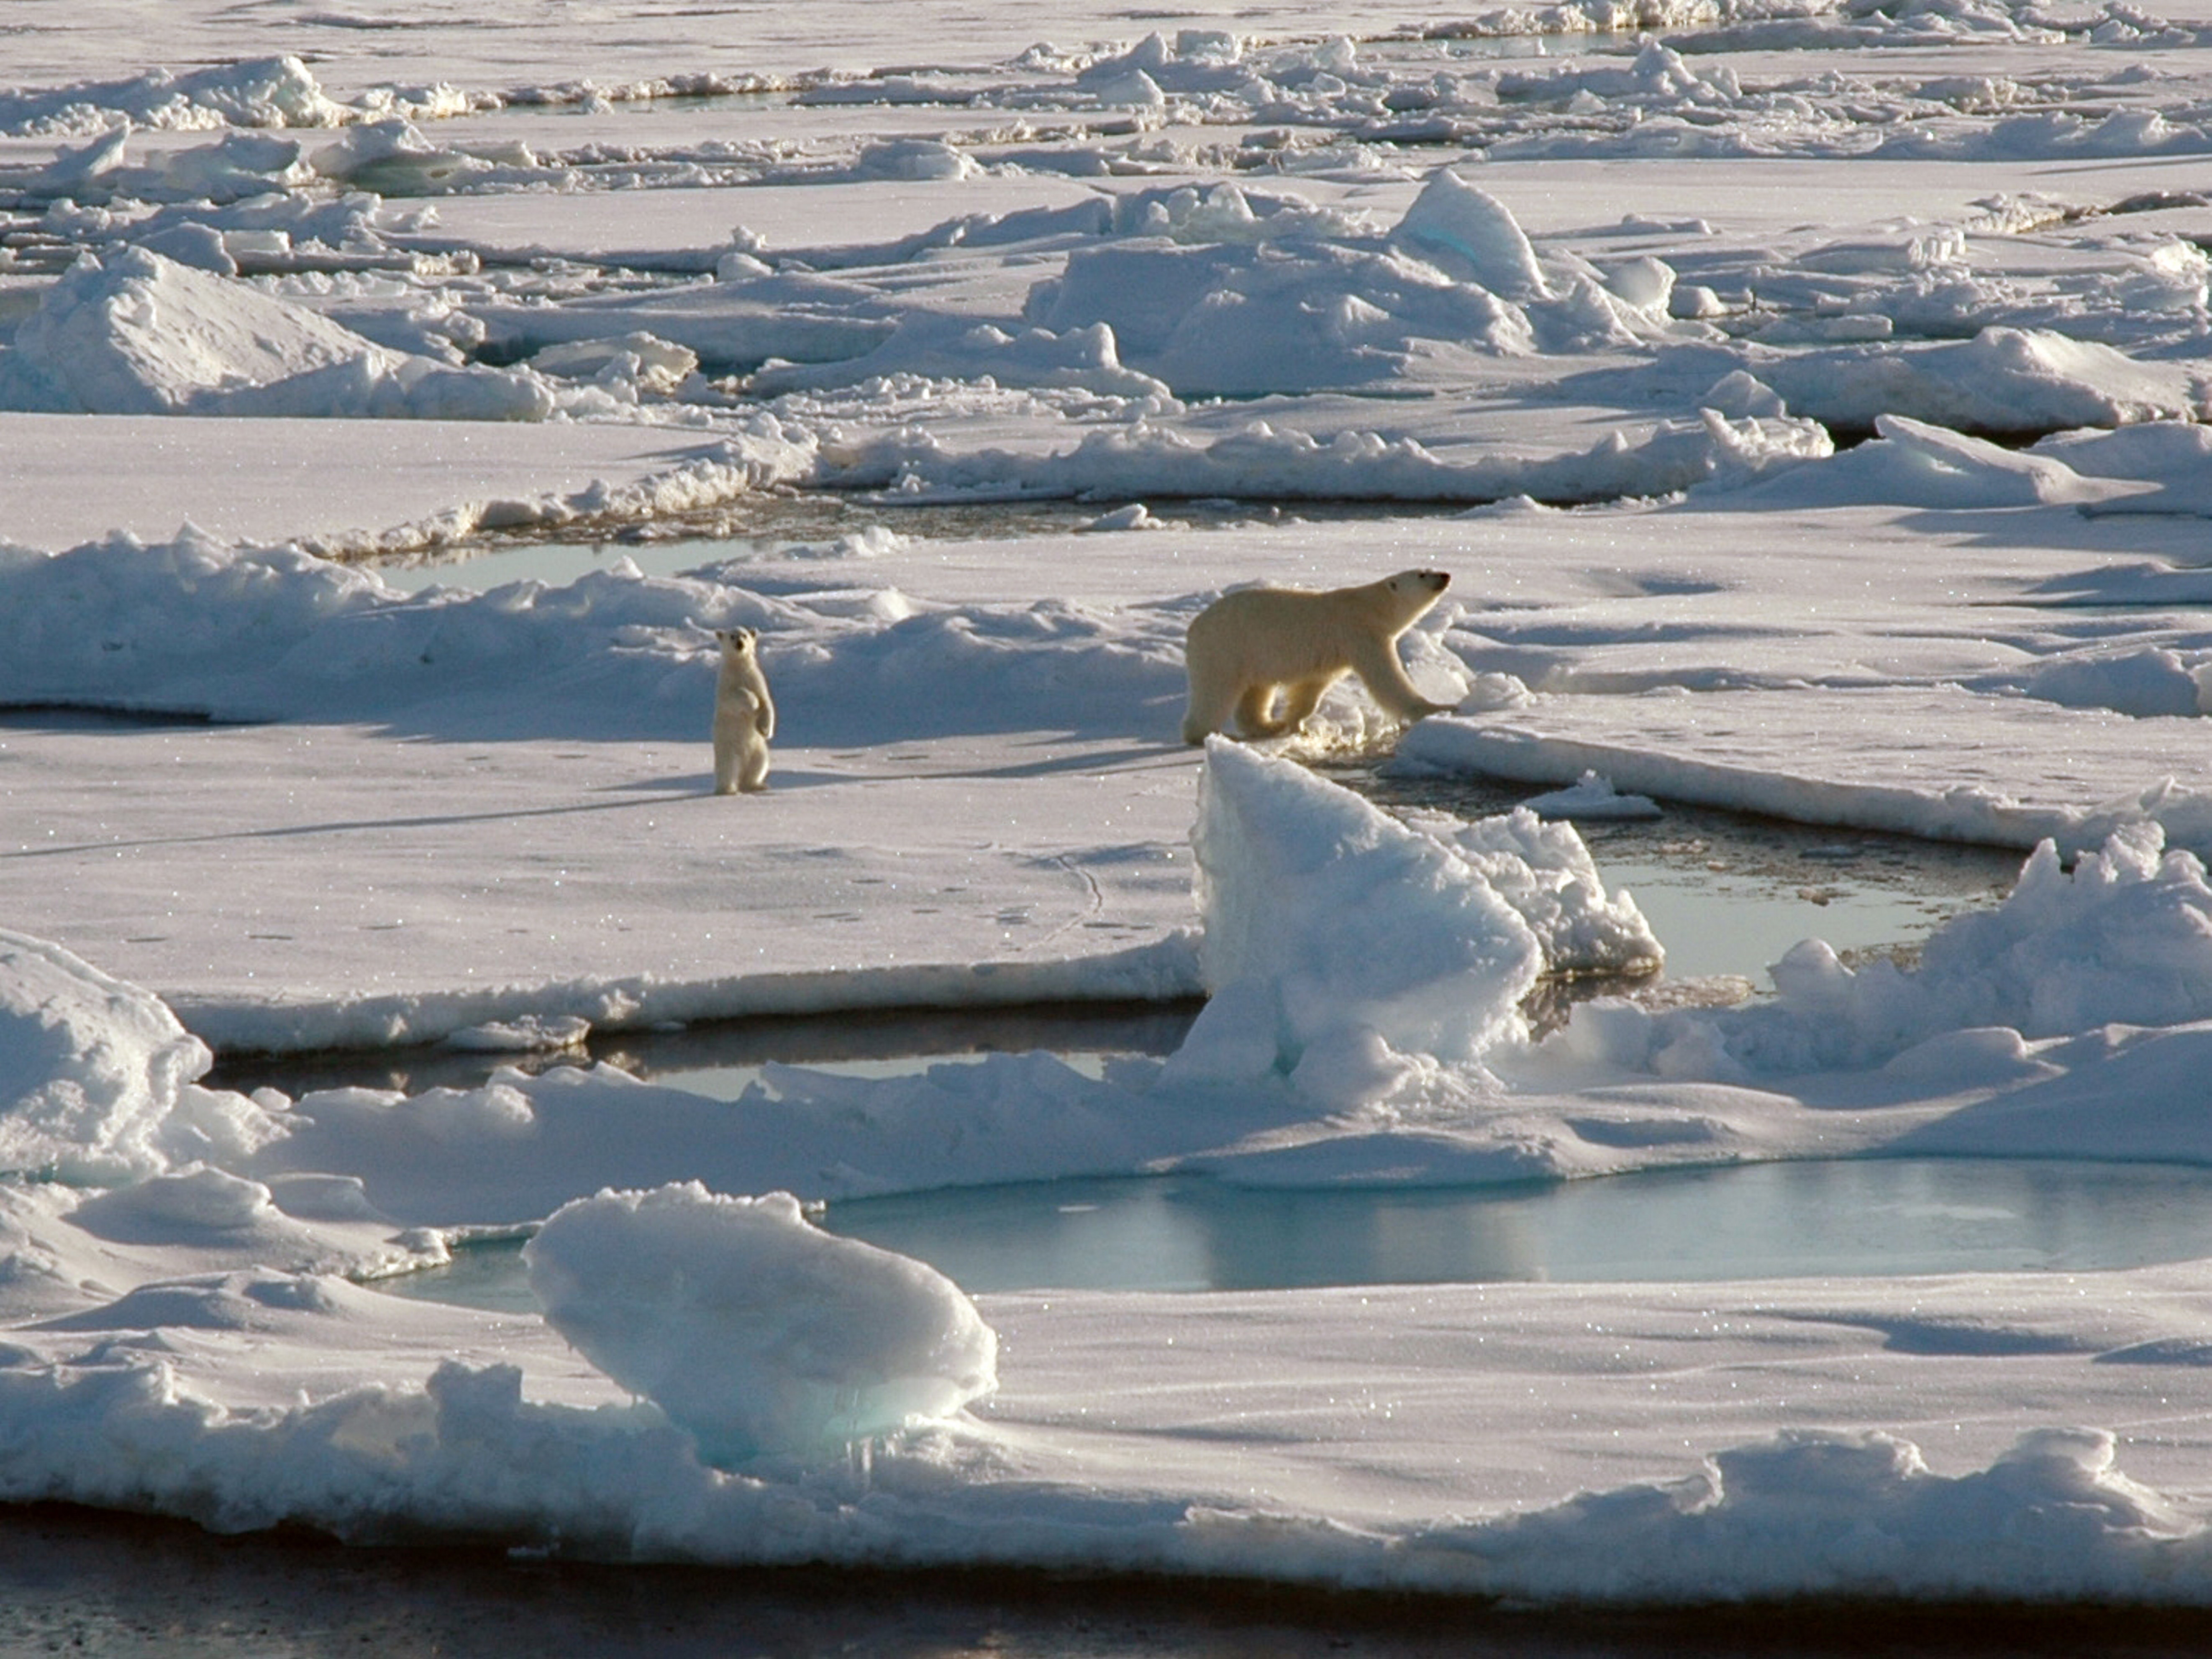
x,y
1594,798
1132,517
526,1034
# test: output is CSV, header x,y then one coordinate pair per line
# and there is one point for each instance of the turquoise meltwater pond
x,y
1856,1218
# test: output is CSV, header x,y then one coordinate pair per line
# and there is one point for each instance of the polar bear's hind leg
x,y
1211,702
1255,716
1304,696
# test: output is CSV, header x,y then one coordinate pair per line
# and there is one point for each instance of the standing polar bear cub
x,y
1248,645
744,714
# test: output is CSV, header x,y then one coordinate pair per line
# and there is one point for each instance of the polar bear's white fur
x,y
1248,645
744,714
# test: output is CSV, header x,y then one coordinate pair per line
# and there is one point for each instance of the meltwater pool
x,y
1855,1219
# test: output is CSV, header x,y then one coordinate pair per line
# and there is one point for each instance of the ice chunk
x,y
137,334
1914,463
642,360
90,1066
2003,379
1329,920
1470,234
1545,871
525,1033
1593,797
755,1331
2123,938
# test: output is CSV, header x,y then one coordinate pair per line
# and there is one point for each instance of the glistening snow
x,y
1806,428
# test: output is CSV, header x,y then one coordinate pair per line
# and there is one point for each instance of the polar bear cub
x,y
744,714
1250,644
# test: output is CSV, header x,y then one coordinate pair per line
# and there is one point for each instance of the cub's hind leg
x,y
752,776
739,752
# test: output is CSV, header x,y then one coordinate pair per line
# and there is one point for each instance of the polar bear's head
x,y
1419,584
738,642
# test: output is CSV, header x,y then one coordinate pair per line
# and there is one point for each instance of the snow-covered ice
x,y
1807,402
754,1330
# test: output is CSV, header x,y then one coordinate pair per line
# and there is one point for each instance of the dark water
x,y
117,1586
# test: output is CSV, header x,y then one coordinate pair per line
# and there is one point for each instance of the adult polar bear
x,y
1252,643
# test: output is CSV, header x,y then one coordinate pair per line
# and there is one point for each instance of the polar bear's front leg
x,y
1375,662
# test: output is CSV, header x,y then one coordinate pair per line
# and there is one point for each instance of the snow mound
x,y
1284,464
277,633
2146,682
134,333
1816,1513
1914,463
2002,380
1469,233
269,92
1356,954
2126,937
756,1332
90,1067
243,1299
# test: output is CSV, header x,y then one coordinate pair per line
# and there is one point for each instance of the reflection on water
x,y
719,1057
1853,1218
1776,1220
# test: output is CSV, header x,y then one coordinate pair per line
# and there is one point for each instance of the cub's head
x,y
1419,584
737,642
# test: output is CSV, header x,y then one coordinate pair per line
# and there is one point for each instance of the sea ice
x,y
757,1332
1296,278
91,1068
137,334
